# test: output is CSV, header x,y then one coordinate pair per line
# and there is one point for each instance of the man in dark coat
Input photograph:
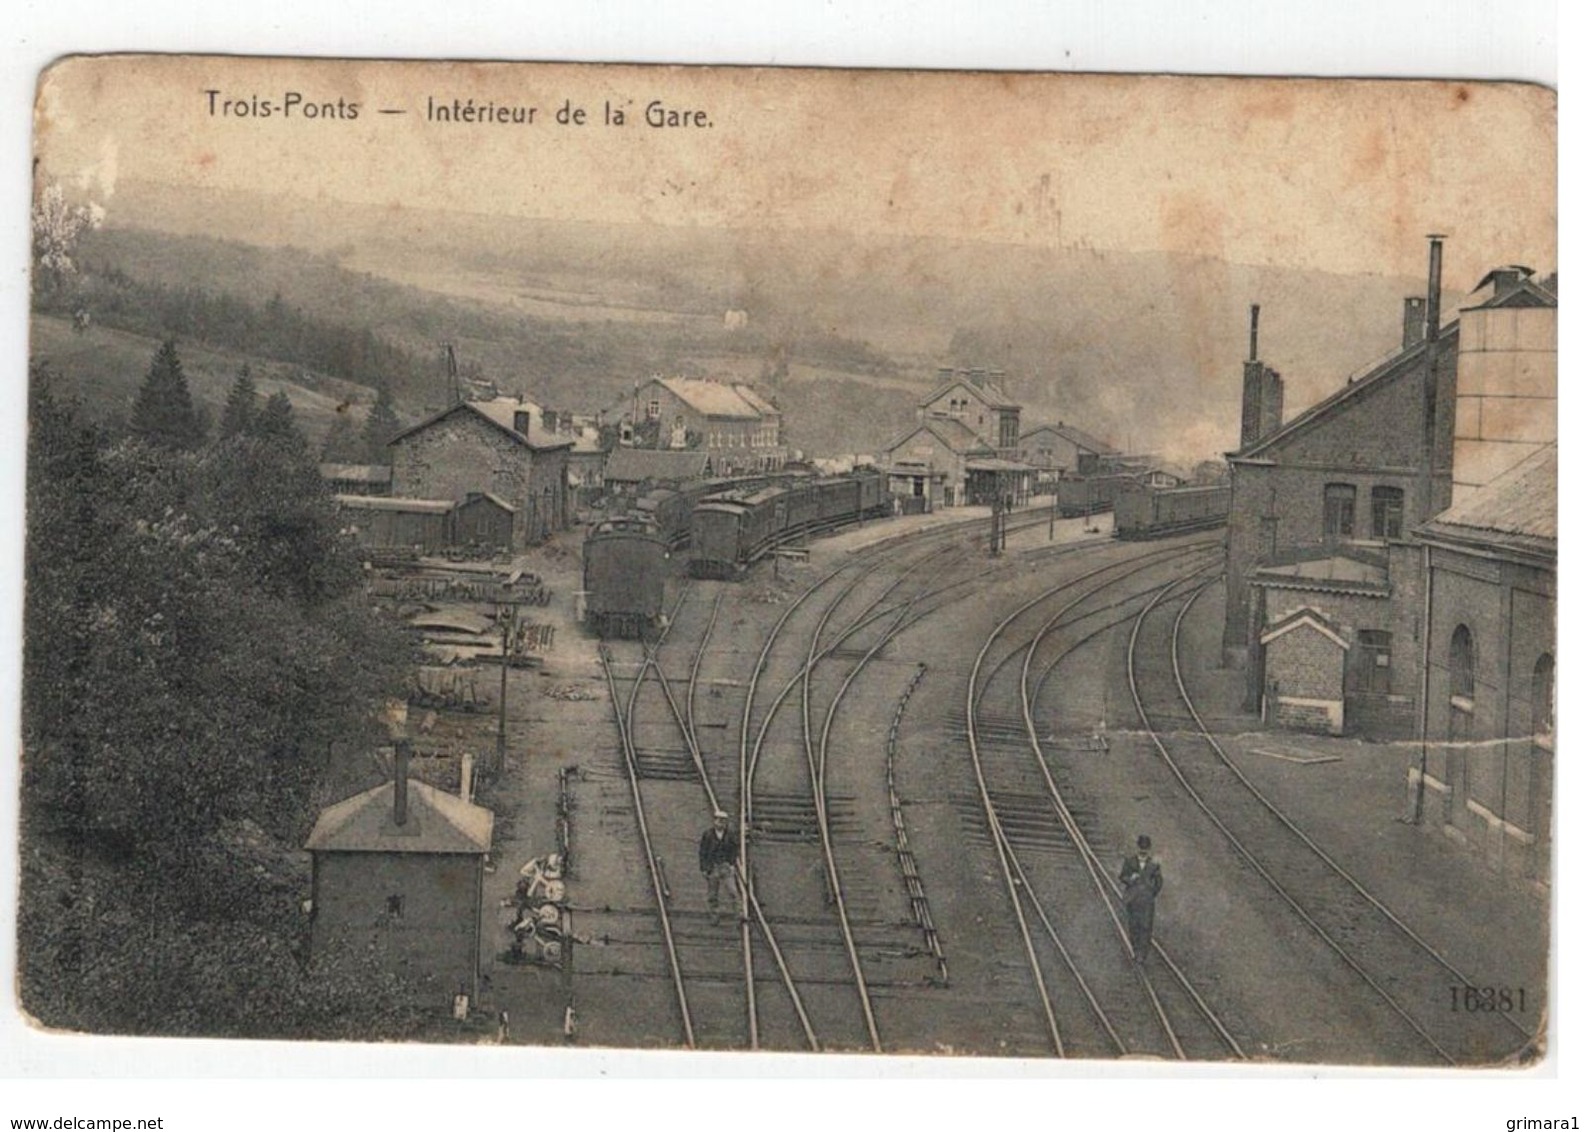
x,y
1142,878
719,855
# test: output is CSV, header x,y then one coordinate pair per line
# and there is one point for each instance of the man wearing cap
x,y
1142,879
719,855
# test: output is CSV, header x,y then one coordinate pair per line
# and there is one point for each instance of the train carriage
x,y
1087,495
625,578
1142,511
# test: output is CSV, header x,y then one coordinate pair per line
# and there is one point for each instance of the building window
x,y
1460,666
394,907
653,409
1386,512
1543,702
1373,661
1340,505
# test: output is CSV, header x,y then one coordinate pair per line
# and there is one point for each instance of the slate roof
x,y
500,414
955,435
635,465
1516,510
989,393
1393,366
438,822
394,503
357,473
1332,573
1079,437
712,398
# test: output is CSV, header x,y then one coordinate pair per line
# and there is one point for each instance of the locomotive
x,y
730,531
1142,511
626,571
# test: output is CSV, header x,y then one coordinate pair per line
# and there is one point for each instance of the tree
x,y
275,423
57,227
242,403
342,443
163,414
380,426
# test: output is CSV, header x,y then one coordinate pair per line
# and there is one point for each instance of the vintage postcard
x,y
720,559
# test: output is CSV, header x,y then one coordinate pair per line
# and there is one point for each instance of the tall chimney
x,y
1431,346
400,781
1262,392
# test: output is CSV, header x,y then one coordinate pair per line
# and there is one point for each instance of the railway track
x,y
1094,1000
1409,977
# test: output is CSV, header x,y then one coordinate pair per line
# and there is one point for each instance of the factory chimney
x,y
1262,392
1431,347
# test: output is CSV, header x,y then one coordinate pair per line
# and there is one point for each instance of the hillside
x,y
847,331
105,368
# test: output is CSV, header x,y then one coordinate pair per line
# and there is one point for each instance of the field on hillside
x,y
105,368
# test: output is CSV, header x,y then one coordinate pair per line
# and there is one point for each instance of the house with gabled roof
x,y
1060,449
497,448
975,398
930,462
738,427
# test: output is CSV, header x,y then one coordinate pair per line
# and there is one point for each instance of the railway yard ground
x,y
946,932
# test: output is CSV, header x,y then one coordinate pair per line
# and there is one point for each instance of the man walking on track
x,y
1142,879
719,856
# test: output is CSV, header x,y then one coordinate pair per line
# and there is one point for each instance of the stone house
x,y
1061,449
975,399
493,448
738,428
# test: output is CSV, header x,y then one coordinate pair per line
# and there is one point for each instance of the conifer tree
x,y
380,426
342,444
275,422
241,405
163,413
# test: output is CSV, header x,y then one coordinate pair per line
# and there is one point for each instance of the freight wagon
x,y
1087,495
1143,511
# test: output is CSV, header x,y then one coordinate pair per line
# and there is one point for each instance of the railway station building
x,y
497,448
1324,506
928,463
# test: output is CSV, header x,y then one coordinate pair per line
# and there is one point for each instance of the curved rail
x,y
1405,929
1246,854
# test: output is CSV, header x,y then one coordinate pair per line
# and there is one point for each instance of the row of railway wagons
x,y
1142,511
729,532
668,509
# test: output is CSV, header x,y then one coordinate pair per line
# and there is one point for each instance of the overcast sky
x,y
1338,175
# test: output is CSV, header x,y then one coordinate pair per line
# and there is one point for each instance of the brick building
x,y
975,399
930,462
398,872
1484,766
495,448
739,429
1324,506
1061,449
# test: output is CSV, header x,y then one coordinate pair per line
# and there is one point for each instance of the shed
x,y
385,521
1306,671
483,519
399,871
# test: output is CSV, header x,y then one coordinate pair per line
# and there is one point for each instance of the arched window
x,y
1543,701
1460,665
